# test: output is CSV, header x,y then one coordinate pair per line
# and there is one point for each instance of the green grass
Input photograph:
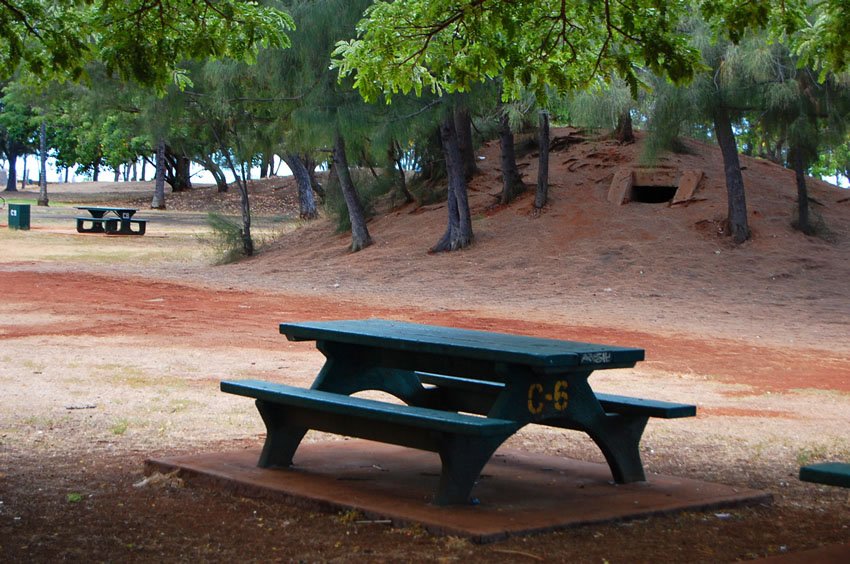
x,y
181,405
120,427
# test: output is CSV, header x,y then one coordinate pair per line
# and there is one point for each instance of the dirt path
x,y
215,318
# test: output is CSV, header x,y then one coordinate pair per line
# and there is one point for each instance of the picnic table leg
x,y
463,458
282,438
575,406
619,440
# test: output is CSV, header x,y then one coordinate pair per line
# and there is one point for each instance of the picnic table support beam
x,y
462,462
282,438
619,442
575,406
337,376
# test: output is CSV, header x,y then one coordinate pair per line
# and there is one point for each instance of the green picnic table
x,y
110,220
464,393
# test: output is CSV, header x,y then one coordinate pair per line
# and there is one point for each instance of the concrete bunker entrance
x,y
653,185
652,194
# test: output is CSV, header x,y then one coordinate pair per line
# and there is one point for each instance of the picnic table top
x,y
550,354
105,208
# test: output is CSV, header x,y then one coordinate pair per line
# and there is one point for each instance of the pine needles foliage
x,y
226,238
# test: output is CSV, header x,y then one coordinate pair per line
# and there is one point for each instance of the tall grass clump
x,y
226,238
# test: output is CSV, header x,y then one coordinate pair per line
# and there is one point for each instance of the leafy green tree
x,y
327,118
716,100
141,40
808,115
444,45
815,31
17,131
834,161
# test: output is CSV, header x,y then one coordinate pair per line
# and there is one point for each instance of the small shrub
x,y
226,238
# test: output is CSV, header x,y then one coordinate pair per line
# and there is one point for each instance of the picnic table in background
x,y
110,220
464,392
827,473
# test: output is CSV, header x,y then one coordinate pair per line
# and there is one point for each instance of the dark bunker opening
x,y
652,194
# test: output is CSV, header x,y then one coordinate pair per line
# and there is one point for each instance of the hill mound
x,y
587,261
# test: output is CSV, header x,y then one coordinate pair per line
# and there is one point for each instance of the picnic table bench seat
x,y
98,223
827,473
464,442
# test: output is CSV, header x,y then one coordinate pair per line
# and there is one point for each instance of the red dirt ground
x,y
207,316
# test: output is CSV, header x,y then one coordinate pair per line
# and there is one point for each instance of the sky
x,y
199,174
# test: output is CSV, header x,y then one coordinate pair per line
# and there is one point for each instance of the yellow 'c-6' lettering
x,y
535,405
561,397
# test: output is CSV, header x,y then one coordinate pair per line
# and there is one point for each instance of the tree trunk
x,y
96,170
135,176
624,133
306,201
458,233
247,240
512,184
144,167
182,178
158,202
217,174
117,171
24,173
803,222
264,164
67,173
394,154
310,165
542,194
12,178
737,203
463,127
360,238
43,200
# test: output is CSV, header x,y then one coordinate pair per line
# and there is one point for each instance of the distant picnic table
x,y
464,392
110,220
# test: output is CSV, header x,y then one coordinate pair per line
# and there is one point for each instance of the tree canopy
x,y
445,45
142,40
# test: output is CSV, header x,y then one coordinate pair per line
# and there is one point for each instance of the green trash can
x,y
19,216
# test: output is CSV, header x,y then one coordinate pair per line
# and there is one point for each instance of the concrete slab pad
x,y
519,493
836,554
